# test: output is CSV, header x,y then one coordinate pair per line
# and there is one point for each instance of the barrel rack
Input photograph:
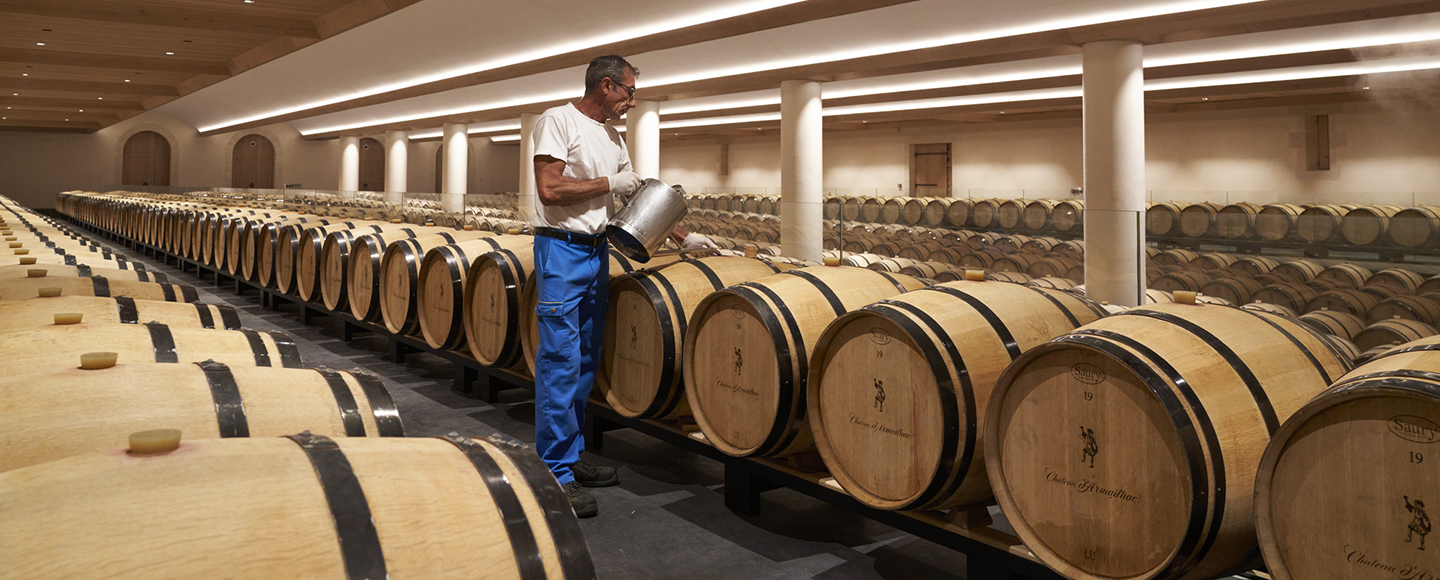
x,y
991,553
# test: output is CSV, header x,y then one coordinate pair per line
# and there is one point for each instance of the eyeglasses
x,y
629,89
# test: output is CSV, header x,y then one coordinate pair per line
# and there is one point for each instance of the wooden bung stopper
x,y
832,261
36,273
513,231
469,227
91,361
21,252
28,261
975,275
11,238
1185,296
69,318
751,250
397,221
17,244
154,441
48,292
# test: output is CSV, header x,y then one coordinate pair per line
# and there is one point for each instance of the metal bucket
x,y
647,219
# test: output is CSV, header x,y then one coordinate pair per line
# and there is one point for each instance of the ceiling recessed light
x,y
24,74
39,44
101,98
82,110
249,1
1366,88
67,119
127,80
1204,98
170,53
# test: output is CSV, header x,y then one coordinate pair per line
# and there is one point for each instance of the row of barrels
x,y
920,395
108,369
1386,225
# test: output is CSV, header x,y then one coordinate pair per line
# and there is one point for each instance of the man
x,y
580,166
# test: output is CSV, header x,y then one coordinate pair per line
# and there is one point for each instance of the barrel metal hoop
x,y
168,291
345,402
188,292
1397,378
570,547
709,275
382,406
229,407
940,487
667,401
163,342
69,260
457,296
898,285
624,262
1188,432
1001,330
257,346
1074,322
790,411
157,277
825,290
143,276
1345,362
512,513
102,286
82,270
1257,391
354,524
510,350
408,250
449,239
1395,351
289,353
126,307
228,316
771,266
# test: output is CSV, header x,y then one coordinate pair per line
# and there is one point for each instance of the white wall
x,y
36,166
1380,154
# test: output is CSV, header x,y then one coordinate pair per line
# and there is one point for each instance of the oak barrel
x,y
1337,323
1199,219
17,315
1126,448
440,300
1368,224
747,353
59,412
1390,331
41,346
1419,308
1342,488
19,288
1415,226
1276,221
640,369
897,388
301,506
1163,218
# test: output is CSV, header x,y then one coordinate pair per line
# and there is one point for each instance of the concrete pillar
x,y
457,165
349,164
1114,119
802,170
642,137
397,163
528,198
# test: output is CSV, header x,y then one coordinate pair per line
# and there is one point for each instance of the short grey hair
x,y
607,67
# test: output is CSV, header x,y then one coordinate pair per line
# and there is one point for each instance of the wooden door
x,y
253,163
146,160
372,165
931,170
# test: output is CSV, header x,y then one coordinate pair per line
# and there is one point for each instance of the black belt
x,y
591,240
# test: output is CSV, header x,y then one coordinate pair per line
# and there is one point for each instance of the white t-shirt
x,y
589,149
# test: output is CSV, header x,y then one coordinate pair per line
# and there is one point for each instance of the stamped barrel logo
x,y
737,312
1412,428
880,336
1087,373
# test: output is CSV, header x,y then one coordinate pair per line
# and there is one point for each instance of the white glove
x,y
697,242
624,183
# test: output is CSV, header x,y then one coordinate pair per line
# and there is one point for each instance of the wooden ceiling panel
x,y
9,70
92,47
87,36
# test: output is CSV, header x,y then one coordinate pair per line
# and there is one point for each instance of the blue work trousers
x,y
573,283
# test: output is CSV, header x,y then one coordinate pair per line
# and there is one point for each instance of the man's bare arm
x,y
555,188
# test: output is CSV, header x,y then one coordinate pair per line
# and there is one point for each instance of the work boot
x,y
592,475
581,501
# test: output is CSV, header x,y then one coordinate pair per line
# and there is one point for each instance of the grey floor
x,y
667,518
